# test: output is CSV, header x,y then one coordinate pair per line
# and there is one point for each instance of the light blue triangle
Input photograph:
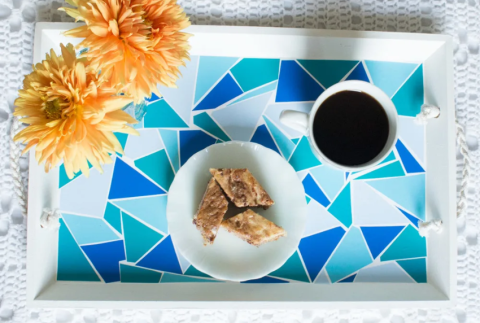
x,y
138,238
192,271
87,230
204,121
151,209
331,180
264,89
158,168
210,70
303,157
292,269
172,278
351,255
406,191
394,169
170,140
385,273
416,268
285,144
132,274
72,265
327,72
112,216
409,244
341,207
240,120
322,278
409,99
161,115
254,72
388,76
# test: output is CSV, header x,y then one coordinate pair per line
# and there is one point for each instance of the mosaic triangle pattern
x,y
361,227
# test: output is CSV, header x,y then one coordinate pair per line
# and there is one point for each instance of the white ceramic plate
x,y
230,258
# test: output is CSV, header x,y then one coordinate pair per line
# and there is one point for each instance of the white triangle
x,y
322,278
383,273
143,145
413,136
369,208
318,219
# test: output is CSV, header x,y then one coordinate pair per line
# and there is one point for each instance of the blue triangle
x,y
409,99
388,76
153,98
412,219
327,72
191,142
316,249
262,137
349,279
341,207
127,182
161,115
416,268
409,162
312,189
378,238
106,257
358,74
223,92
265,280
204,121
72,265
285,144
162,257
210,69
112,216
303,157
295,84
132,274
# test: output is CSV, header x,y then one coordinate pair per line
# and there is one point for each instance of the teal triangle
x,y
416,268
138,238
204,121
264,89
286,145
406,191
295,140
341,207
150,209
132,274
390,157
161,115
72,265
254,72
122,138
389,76
218,141
394,169
158,168
170,140
192,271
409,244
328,72
112,216
303,157
409,98
63,177
172,278
308,199
210,70
292,269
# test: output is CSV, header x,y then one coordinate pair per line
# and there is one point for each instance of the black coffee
x,y
350,128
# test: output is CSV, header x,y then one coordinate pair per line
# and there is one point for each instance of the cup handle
x,y
295,120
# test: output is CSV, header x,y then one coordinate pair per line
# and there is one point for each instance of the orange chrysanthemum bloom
x,y
138,41
71,114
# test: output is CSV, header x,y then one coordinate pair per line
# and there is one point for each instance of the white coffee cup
x,y
303,122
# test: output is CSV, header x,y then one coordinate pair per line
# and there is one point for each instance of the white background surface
x,y
459,18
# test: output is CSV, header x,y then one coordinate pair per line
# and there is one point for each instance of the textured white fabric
x,y
459,18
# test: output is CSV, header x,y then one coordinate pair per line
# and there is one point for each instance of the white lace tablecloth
x,y
459,18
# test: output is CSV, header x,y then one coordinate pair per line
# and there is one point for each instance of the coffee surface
x,y
350,128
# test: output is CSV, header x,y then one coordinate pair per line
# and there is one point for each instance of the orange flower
x,y
138,41
71,114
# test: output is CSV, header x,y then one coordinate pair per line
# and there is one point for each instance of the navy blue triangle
x,y
358,73
162,257
409,162
316,249
127,182
265,280
349,279
312,189
412,219
294,84
191,142
263,137
105,257
378,238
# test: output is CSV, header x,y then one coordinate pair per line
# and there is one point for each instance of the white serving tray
x,y
434,51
